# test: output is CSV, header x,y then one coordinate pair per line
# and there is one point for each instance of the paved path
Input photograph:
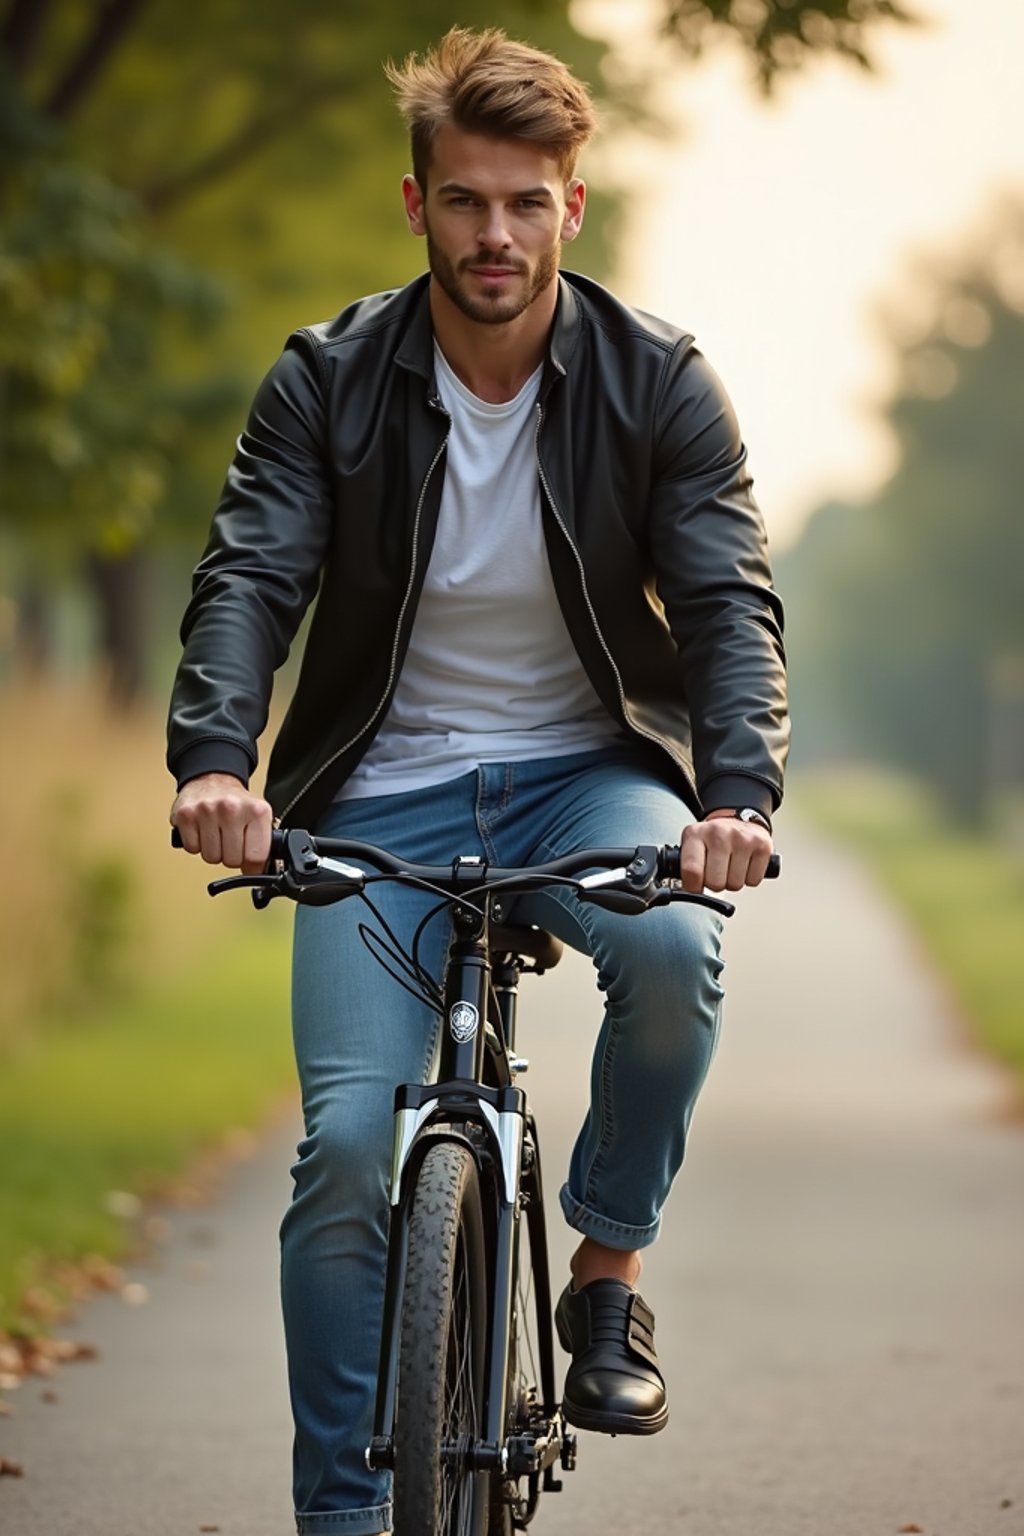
x,y
840,1286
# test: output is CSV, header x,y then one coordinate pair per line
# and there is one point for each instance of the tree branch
x,y
113,19
253,136
22,30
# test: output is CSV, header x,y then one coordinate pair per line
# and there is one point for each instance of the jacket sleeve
x,y
713,576
258,574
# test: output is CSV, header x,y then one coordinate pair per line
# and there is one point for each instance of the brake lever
x,y
702,899
241,882
619,901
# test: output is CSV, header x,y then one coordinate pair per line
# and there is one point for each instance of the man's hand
x,y
722,853
218,818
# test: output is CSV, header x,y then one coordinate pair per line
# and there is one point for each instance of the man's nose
x,y
493,233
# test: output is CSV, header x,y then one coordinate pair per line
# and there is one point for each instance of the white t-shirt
x,y
491,674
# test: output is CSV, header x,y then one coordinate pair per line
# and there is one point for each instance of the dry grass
x,y
93,899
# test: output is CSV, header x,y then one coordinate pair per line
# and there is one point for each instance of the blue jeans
x,y
358,1034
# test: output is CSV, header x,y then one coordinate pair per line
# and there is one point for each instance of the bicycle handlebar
x,y
310,870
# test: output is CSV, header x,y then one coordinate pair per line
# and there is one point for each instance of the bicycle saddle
x,y
532,943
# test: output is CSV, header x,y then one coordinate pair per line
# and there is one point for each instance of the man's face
x,y
494,216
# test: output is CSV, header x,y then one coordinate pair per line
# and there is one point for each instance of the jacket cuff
x,y
213,756
733,791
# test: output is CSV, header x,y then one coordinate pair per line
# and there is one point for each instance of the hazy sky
x,y
772,231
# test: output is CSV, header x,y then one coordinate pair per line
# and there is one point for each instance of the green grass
x,y
963,893
126,1101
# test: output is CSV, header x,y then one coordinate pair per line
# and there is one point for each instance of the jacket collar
x,y
416,351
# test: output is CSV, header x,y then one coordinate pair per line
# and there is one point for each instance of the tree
x,y
782,35
909,611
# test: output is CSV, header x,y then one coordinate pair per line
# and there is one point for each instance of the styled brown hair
x,y
485,82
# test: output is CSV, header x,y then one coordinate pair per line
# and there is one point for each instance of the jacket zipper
x,y
623,702
398,631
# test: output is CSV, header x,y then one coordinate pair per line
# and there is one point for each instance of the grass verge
x,y
963,893
126,1101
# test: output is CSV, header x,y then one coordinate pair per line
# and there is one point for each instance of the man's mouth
x,y
489,271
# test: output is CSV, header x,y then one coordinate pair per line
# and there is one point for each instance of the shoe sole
x,y
613,1423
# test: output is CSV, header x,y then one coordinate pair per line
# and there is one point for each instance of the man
x,y
543,620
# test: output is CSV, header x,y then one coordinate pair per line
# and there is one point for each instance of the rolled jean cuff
x,y
346,1522
613,1234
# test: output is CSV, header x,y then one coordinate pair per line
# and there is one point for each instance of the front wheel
x,y
441,1351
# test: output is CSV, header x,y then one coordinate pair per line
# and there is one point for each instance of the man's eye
x,y
530,202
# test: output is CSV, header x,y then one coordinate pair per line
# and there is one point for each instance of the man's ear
x,y
414,200
575,202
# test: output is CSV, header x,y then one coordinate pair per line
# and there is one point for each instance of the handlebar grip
x,y
671,869
277,842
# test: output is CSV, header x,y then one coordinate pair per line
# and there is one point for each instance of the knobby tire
x,y
441,1350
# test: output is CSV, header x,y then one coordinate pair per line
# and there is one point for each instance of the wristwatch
x,y
748,813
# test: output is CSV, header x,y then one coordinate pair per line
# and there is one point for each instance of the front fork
x,y
422,1116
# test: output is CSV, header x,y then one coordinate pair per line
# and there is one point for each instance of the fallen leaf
x,y
911,1528
156,1229
10,1356
209,1527
11,1468
135,1293
1006,1504
50,1397
70,1349
41,1304
121,1202
101,1274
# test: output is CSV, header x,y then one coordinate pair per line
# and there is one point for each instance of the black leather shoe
x,y
614,1384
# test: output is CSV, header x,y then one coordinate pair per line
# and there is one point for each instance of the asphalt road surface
x,y
839,1287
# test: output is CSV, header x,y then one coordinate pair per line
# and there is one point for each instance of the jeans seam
x,y
585,1219
373,1519
597,1162
482,825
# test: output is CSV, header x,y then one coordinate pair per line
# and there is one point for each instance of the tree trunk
x,y
119,591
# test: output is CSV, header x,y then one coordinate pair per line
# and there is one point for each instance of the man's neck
x,y
494,361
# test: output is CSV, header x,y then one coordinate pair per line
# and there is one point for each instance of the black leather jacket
x,y
655,542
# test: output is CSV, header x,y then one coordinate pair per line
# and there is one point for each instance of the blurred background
x,y
830,195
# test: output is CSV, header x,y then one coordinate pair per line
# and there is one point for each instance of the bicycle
x,y
467,1413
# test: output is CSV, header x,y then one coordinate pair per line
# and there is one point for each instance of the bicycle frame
x,y
493,1123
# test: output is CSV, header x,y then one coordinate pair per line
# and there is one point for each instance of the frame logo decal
x,y
463,1021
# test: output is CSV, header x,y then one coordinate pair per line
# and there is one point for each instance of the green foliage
x,y
87,433
781,35
907,625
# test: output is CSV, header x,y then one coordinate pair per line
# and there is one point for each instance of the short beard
x,y
501,308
